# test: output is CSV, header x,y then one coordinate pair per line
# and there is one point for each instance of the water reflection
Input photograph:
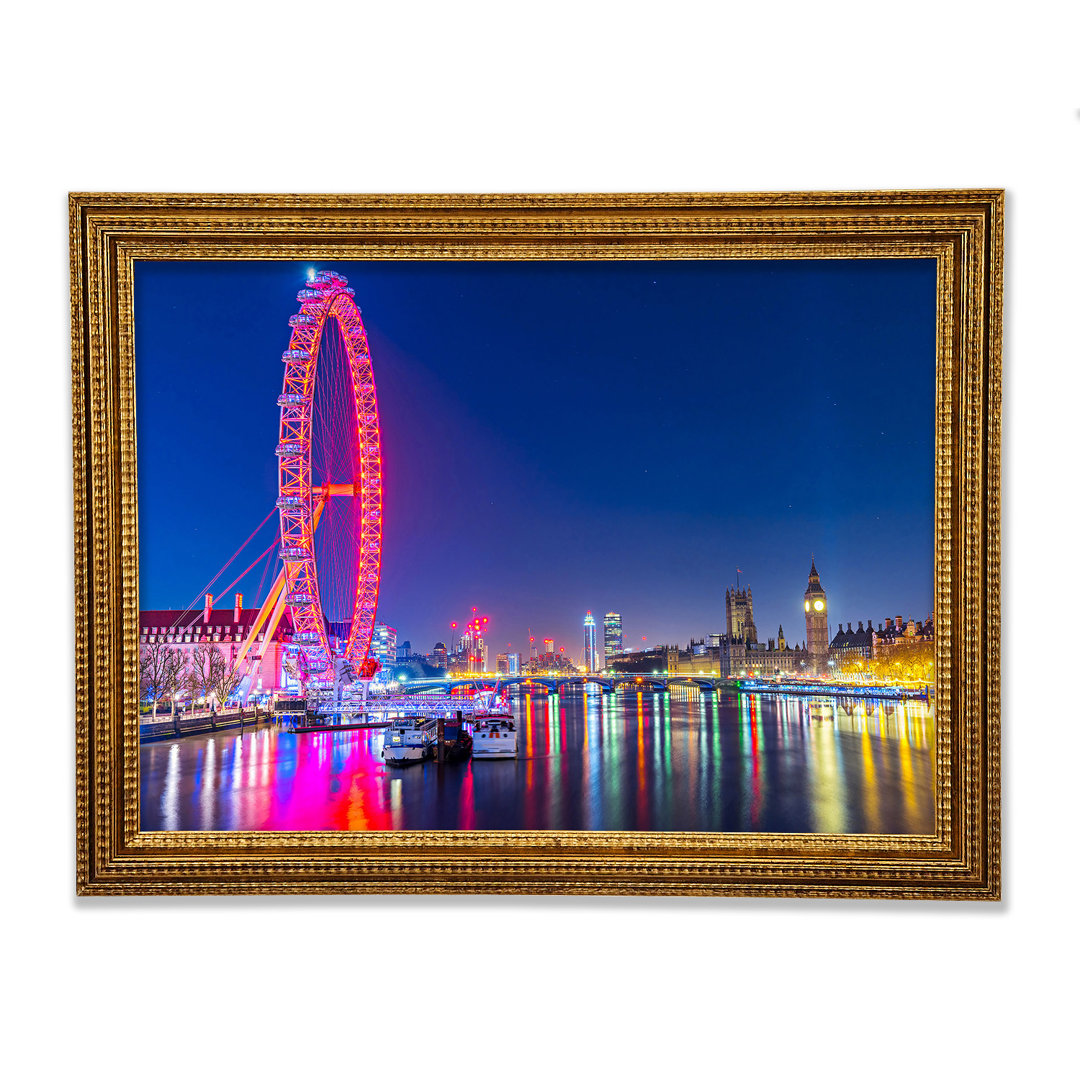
x,y
684,761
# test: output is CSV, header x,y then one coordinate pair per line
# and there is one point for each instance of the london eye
x,y
330,499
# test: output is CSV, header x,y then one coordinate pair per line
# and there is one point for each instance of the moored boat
x,y
494,736
457,739
409,739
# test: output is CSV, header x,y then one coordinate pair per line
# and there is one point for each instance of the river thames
x,y
632,761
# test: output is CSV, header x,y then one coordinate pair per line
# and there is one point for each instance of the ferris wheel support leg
x,y
266,621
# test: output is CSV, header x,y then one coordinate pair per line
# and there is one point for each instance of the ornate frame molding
x,y
961,229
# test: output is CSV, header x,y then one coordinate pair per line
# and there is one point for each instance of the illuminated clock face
x,y
819,605
807,605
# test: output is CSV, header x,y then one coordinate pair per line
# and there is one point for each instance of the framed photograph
x,y
634,543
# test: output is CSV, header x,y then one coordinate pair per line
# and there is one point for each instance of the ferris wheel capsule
x,y
302,320
295,354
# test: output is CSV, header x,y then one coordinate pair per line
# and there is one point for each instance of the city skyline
x,y
794,635
784,410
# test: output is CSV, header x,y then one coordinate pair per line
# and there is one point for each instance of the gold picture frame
x,y
961,229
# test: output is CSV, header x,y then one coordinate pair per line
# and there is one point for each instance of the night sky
x,y
561,437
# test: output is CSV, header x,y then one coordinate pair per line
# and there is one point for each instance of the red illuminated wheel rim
x,y
302,500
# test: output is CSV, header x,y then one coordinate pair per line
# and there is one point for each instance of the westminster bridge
x,y
611,683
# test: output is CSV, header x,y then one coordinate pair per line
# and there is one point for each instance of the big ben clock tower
x,y
817,621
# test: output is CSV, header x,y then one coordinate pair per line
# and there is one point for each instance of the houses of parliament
x,y
738,651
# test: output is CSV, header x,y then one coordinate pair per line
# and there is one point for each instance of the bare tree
x,y
904,662
226,678
206,660
212,674
180,682
190,683
160,669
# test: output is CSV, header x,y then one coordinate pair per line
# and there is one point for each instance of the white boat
x,y
409,739
494,736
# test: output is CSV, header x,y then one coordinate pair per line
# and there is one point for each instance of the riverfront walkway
x,y
153,728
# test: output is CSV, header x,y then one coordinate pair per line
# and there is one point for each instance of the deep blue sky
x,y
566,436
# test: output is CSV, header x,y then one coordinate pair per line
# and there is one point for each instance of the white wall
x,y
554,96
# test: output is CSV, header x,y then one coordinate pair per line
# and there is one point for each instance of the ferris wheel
x,y
330,470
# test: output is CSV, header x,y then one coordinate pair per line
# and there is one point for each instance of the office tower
x,y
590,643
612,636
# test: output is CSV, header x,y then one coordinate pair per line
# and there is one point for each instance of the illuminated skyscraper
x,y
438,655
474,647
612,637
549,646
590,642
384,643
